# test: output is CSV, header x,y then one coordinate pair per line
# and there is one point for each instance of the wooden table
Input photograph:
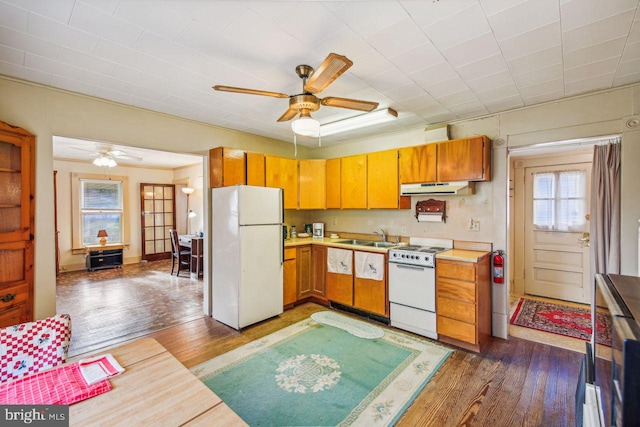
x,y
196,245
155,390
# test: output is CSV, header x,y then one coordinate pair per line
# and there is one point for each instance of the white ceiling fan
x,y
106,155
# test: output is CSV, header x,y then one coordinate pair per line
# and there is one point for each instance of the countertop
x,y
326,241
462,255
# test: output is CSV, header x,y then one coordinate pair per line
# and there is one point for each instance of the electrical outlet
x,y
403,229
335,220
474,225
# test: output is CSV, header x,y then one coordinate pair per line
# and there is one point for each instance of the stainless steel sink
x,y
368,243
385,244
357,242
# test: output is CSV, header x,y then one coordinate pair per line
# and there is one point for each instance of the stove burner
x,y
415,255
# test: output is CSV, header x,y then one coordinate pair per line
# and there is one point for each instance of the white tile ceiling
x,y
432,61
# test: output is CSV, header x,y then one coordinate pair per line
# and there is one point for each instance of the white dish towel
x,y
369,265
339,261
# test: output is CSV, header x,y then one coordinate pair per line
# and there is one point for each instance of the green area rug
x,y
334,370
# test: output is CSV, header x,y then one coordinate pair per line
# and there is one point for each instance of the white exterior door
x,y
556,226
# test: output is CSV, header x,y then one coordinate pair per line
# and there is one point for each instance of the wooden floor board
x,y
512,382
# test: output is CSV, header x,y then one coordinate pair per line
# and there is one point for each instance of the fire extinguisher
x,y
498,267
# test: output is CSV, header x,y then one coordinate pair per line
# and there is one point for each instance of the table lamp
x,y
102,234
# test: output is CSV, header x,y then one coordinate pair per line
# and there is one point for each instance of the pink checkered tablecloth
x,y
60,386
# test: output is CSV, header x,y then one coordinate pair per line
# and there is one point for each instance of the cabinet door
x,y
289,277
303,261
340,288
383,190
418,164
464,160
370,295
283,173
318,267
255,169
17,168
313,183
353,183
333,184
227,166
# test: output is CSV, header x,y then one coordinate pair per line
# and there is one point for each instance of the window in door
x,y
158,217
559,200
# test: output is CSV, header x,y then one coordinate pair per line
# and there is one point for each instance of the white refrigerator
x,y
247,255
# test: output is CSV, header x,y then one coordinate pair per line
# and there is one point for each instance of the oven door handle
x,y
410,267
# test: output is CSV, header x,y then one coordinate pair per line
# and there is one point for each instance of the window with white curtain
x,y
559,200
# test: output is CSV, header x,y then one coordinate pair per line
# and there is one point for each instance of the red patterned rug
x,y
559,319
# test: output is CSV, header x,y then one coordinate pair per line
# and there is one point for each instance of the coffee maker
x,y
318,230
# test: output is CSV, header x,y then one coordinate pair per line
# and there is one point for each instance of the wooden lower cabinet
x,y
290,293
463,302
303,261
340,288
370,295
318,269
361,293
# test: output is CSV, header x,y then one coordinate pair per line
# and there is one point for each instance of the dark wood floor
x,y
113,305
512,383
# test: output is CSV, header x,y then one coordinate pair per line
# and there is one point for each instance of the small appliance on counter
x,y
308,228
318,230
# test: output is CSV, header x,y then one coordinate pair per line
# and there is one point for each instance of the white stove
x,y
415,255
412,285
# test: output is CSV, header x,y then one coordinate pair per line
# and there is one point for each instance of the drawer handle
x,y
8,297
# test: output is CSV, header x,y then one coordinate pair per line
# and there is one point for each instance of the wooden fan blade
x,y
250,91
288,115
352,104
329,70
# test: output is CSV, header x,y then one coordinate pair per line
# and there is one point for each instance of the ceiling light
x,y
305,125
105,160
368,119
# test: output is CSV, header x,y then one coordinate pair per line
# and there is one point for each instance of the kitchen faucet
x,y
383,235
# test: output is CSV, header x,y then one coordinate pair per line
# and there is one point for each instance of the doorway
x,y
551,227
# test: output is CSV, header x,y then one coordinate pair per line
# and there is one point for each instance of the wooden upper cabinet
x,y
312,179
255,169
333,184
17,188
418,164
383,189
353,182
283,173
466,159
227,166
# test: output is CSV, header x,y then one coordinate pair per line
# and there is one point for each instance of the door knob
x,y
584,239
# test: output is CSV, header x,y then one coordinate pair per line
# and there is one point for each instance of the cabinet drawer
x,y
456,329
461,291
290,253
458,310
465,271
14,295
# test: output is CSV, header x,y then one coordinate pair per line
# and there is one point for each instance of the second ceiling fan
x,y
313,82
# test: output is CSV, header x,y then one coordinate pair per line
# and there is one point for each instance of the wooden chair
x,y
179,255
31,347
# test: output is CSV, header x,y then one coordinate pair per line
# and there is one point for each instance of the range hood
x,y
457,188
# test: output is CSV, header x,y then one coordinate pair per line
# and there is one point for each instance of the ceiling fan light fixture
x,y
306,126
104,160
357,122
